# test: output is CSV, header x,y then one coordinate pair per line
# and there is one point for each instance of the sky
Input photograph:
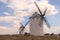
x,y
14,12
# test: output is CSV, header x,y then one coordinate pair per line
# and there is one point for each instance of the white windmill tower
x,y
36,22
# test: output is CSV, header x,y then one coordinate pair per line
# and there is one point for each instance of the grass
x,y
27,37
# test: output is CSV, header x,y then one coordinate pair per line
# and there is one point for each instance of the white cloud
x,y
17,5
5,1
55,30
6,13
11,18
10,30
4,28
13,29
15,22
46,29
20,14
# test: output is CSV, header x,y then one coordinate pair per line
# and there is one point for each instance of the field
x,y
28,37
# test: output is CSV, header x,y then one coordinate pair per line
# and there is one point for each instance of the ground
x,y
28,37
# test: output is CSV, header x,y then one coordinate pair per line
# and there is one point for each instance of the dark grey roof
x,y
35,15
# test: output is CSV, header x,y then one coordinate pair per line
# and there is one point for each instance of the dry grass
x,y
27,37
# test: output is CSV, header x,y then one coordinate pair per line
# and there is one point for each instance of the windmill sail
x,y
27,23
21,29
45,12
46,22
21,24
38,8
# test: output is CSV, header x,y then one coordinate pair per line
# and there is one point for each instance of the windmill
x,y
36,22
22,28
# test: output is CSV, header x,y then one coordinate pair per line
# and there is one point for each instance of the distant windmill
x,y
36,22
21,29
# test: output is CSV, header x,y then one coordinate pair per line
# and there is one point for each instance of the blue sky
x,y
4,8
53,20
9,24
56,20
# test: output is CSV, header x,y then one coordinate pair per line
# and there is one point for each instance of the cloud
x,y
46,29
3,1
55,30
17,5
6,13
11,18
15,24
20,14
10,30
4,28
13,29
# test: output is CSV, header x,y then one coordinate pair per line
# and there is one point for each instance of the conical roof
x,y
35,15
